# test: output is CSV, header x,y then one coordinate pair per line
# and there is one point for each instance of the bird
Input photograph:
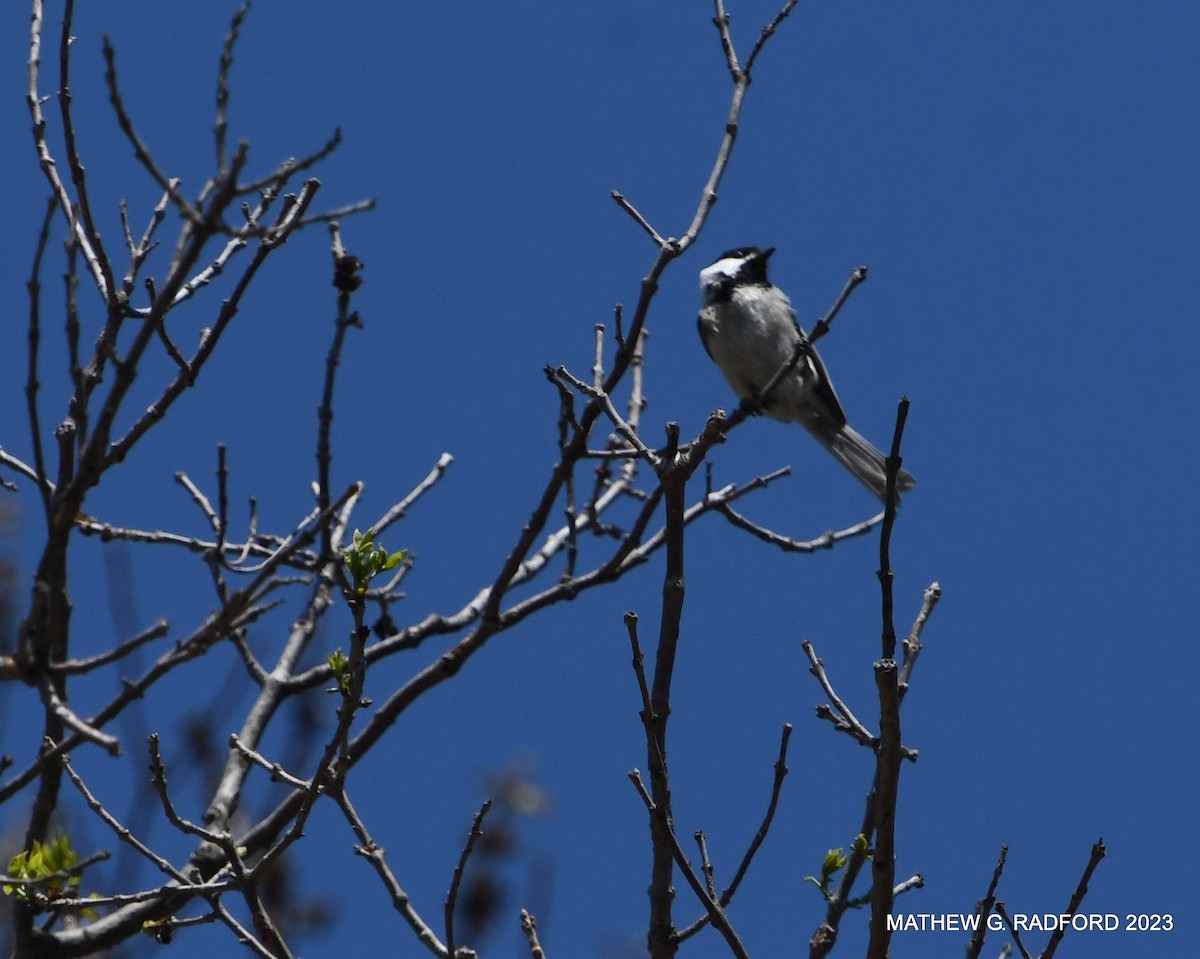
x,y
749,329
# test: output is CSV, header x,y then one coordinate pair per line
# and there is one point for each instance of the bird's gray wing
x,y
832,414
700,325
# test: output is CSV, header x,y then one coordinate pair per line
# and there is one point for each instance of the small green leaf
x,y
834,861
42,861
364,560
339,663
395,559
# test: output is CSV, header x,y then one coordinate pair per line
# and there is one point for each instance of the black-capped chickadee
x,y
749,329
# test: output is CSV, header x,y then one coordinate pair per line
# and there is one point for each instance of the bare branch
x,y
858,276
22,468
124,834
262,547
1012,930
202,503
983,908
374,854
244,936
915,881
452,896
706,866
716,912
168,185
75,163
627,432
889,751
54,703
768,30
912,644
221,122
640,220
278,773
1098,853
31,383
529,927
781,770
49,168
741,83
851,722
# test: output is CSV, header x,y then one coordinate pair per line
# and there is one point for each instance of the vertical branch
x,y
216,556
741,83
35,335
529,927
1099,850
77,406
75,163
456,881
33,100
888,753
661,936
637,399
885,537
983,908
220,124
346,281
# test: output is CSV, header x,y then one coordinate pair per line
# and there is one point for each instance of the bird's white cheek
x,y
713,278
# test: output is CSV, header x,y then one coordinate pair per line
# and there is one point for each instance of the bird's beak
x,y
766,254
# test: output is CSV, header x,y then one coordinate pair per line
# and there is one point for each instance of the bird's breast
x,y
747,341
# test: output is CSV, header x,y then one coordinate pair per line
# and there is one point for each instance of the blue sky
x,y
1020,179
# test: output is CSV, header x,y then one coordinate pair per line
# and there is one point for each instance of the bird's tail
x,y
864,461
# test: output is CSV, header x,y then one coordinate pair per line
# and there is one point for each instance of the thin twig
x,y
374,854
345,268
124,834
1098,852
858,276
628,433
915,881
158,776
1012,931
75,162
71,872
529,927
456,880
278,773
78,666
202,503
983,909
716,912
706,866
243,935
125,122
34,100
31,384
221,122
640,220
817,668
598,357
54,703
889,751
781,770
786,543
912,643
400,509
768,30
